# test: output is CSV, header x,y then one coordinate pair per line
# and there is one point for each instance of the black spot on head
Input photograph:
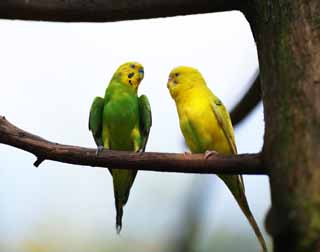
x,y
133,66
177,74
130,75
130,82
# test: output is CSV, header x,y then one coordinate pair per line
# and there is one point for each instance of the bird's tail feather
x,y
236,187
247,212
122,182
119,209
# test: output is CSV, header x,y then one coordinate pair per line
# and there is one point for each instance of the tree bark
x,y
108,10
287,33
148,161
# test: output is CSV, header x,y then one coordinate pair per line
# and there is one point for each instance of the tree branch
x,y
108,10
248,102
149,161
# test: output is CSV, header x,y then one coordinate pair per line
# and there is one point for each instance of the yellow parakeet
x,y
206,126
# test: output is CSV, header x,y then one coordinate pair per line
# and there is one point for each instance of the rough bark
x,y
108,10
288,40
151,161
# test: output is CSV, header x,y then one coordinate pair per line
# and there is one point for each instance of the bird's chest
x,y
121,108
121,114
198,125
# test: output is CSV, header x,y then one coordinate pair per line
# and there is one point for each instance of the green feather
x,y
145,120
121,121
95,119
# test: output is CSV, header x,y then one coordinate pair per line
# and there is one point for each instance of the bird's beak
x,y
168,83
141,74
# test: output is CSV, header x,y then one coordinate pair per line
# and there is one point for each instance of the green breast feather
x,y
121,121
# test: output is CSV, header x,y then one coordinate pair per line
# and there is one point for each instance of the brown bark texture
x,y
148,161
108,10
287,33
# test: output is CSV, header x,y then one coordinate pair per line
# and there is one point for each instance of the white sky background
x,y
50,73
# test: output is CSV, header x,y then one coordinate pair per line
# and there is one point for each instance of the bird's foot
x,y
139,151
99,149
209,153
186,154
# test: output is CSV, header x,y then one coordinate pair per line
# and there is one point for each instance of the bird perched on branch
x,y
207,128
121,121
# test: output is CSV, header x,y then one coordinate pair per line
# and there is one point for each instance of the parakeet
x,y
121,121
206,126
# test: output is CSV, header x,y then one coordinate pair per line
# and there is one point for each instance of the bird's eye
x,y
130,75
177,74
133,66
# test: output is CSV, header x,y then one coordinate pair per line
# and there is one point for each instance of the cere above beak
x,y
141,73
169,80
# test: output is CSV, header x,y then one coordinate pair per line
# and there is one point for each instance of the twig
x,y
248,102
149,161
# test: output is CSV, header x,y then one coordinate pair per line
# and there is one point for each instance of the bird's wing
x,y
145,120
235,183
95,119
224,121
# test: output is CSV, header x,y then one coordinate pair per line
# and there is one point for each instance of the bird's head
x,y
183,78
130,73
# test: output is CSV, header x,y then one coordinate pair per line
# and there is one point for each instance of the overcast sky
x,y
50,72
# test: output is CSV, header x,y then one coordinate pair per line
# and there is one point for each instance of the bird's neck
x,y
118,85
188,95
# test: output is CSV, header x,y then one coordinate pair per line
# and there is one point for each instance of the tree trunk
x,y
287,33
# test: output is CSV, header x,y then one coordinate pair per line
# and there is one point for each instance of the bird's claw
x,y
99,149
186,153
140,151
209,153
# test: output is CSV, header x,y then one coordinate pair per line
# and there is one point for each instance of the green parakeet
x,y
121,121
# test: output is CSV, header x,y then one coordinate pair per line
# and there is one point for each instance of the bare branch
x,y
108,10
248,102
149,161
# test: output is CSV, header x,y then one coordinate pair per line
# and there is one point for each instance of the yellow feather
x,y
206,125
194,105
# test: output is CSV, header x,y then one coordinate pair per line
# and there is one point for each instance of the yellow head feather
x,y
130,73
183,78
